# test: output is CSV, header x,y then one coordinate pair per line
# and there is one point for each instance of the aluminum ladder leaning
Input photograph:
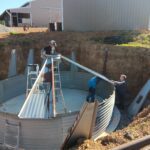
x,y
57,83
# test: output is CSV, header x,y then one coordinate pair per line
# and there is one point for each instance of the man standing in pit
x,y
92,83
121,91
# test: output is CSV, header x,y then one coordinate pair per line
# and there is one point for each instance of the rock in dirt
x,y
129,136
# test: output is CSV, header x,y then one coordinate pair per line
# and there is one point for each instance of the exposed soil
x,y
139,127
132,61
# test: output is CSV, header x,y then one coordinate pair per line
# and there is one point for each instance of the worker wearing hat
x,y
50,49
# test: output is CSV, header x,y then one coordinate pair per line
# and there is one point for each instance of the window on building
x,y
19,20
14,14
23,15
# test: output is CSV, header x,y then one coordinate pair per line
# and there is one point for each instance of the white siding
x,y
95,15
44,11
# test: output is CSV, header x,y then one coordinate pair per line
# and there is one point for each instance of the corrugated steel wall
x,y
96,15
38,134
46,134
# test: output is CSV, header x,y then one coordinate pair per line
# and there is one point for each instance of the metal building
x,y
34,13
96,15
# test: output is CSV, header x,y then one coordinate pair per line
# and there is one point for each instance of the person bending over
x,y
92,88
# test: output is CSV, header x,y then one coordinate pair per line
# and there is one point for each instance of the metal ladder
x,y
32,74
11,135
57,83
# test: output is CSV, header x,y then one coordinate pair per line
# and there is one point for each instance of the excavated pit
x,y
132,61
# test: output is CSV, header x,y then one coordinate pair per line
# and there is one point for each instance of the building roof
x,y
19,9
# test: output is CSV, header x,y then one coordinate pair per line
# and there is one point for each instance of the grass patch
x,y
142,40
13,33
126,38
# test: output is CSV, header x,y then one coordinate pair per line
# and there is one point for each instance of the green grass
x,y
13,33
141,40
127,38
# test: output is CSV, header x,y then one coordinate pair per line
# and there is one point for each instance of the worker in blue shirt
x,y
92,88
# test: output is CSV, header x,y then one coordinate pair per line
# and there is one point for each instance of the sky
x,y
6,4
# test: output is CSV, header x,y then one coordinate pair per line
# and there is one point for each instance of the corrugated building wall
x,y
96,15
45,11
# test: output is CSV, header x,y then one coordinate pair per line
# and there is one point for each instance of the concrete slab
x,y
13,105
74,100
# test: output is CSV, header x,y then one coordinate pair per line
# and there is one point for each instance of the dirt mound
x,y
137,129
144,114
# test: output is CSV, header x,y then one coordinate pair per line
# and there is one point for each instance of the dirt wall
x,y
134,62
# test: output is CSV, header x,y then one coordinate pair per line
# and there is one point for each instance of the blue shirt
x,y
92,82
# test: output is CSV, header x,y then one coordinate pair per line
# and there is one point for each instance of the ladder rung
x,y
33,78
57,81
9,134
57,88
59,96
33,73
11,146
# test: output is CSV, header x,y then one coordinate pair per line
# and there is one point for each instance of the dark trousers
x,y
91,95
119,101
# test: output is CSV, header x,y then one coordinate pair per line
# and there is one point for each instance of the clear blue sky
x,y
6,4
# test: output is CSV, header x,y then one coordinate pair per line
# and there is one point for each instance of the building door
x,y
15,22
